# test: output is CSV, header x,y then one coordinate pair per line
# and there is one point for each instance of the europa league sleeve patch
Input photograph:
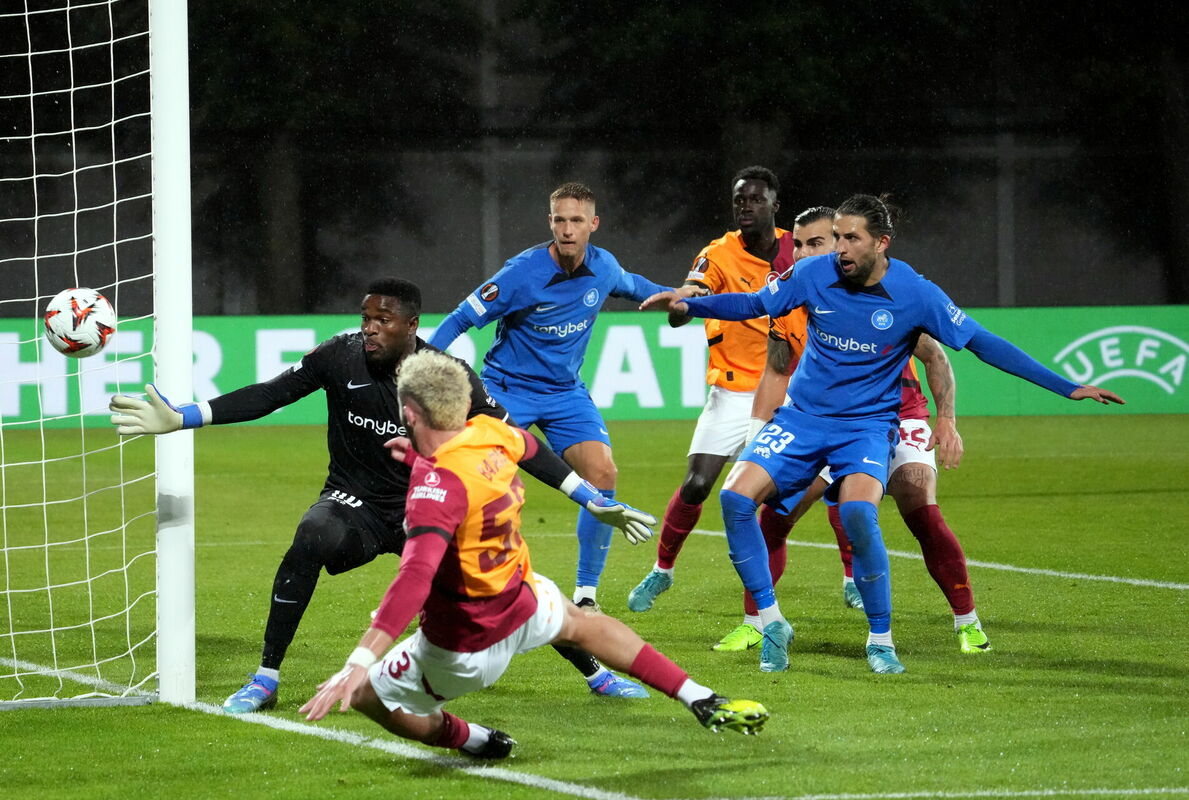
x,y
489,292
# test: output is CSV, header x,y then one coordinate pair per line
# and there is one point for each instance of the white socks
x,y
967,619
584,592
769,615
691,692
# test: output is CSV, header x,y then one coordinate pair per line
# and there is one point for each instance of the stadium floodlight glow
x,y
96,533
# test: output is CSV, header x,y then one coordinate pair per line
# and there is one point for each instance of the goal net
x,y
96,542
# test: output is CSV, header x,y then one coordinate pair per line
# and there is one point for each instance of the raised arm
x,y
456,323
939,374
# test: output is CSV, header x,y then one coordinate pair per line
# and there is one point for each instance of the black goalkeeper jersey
x,y
361,414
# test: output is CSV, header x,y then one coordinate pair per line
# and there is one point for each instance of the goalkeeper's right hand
x,y
634,523
157,415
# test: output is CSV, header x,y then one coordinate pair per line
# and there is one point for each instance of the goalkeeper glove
x,y
157,415
632,521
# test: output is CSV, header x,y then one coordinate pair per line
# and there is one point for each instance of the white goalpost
x,y
96,533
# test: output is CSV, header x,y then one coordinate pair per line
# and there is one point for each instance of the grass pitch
x,y
1077,527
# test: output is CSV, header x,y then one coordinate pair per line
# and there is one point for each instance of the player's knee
x,y
736,507
323,541
913,486
696,488
860,520
602,474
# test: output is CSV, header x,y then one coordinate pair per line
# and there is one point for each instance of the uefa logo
x,y
882,319
591,297
1126,351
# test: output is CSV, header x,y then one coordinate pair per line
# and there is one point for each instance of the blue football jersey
x,y
860,338
545,315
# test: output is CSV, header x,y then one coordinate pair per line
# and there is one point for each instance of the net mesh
x,y
77,523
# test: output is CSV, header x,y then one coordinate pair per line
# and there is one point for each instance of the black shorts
x,y
342,517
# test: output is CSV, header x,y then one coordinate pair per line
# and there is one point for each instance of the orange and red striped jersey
x,y
469,493
737,349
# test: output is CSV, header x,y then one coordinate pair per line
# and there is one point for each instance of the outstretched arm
x,y
998,352
730,306
404,598
940,376
548,467
156,415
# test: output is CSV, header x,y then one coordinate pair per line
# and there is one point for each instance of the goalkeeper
x,y
360,513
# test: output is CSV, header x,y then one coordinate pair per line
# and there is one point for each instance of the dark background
x,y
1039,152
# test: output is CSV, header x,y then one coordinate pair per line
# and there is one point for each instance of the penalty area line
x,y
1051,573
402,750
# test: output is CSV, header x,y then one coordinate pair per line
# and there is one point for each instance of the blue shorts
x,y
795,446
565,418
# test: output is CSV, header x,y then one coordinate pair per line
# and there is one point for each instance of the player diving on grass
x,y
545,301
912,473
866,312
741,260
360,512
466,570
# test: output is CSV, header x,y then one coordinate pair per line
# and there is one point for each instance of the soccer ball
x,y
78,322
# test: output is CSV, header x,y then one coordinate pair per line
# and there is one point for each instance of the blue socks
x,y
745,543
870,562
594,542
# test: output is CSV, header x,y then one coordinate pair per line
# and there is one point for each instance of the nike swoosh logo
x,y
546,308
869,461
279,600
817,310
353,385
604,431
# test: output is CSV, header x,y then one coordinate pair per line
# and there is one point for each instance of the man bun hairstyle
x,y
405,293
758,173
882,217
439,386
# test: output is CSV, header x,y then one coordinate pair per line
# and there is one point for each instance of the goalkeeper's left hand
x,y
632,521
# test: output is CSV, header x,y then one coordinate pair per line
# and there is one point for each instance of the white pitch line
x,y
398,748
1052,573
391,746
